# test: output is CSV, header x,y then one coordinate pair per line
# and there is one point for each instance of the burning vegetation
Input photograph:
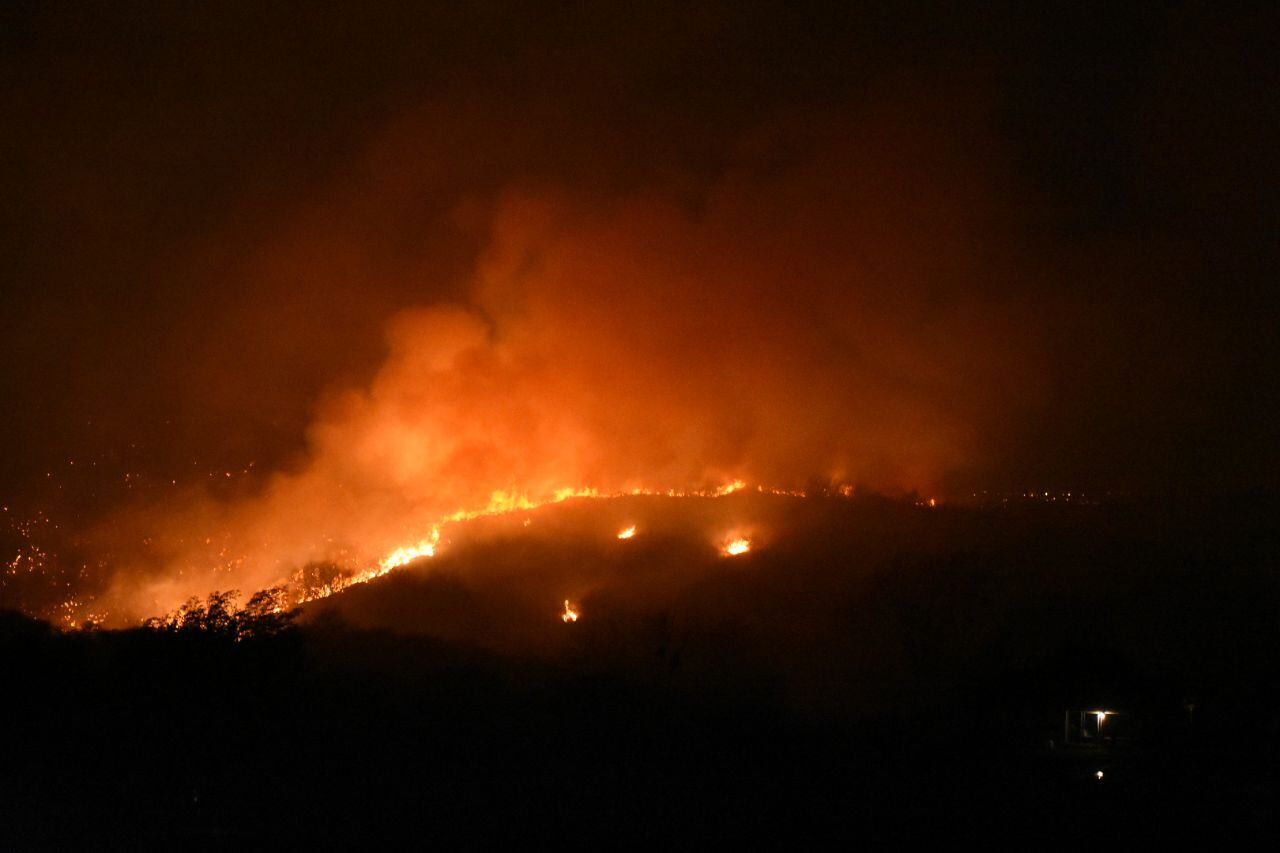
x,y
317,579
320,578
571,612
938,644
266,614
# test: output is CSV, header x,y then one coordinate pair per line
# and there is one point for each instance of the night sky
x,y
411,253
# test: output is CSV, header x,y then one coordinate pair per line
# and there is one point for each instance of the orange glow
x,y
499,503
570,613
407,554
502,503
585,350
350,569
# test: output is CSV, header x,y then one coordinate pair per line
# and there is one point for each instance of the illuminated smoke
x,y
802,326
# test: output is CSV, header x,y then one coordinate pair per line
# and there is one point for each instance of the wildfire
x,y
570,613
407,554
730,488
500,503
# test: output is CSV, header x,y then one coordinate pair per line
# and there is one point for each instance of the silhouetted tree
x,y
220,613
265,614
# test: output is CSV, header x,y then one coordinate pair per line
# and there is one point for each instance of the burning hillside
x,y
515,583
616,346
319,580
591,415
838,605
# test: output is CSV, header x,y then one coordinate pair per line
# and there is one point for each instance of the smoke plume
x,y
817,312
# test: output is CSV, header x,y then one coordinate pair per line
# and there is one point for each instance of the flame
x,y
502,503
407,554
570,613
74,611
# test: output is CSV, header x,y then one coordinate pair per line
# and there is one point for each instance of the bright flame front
x,y
408,553
500,503
570,613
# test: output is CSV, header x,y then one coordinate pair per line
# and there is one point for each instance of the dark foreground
x,y
332,735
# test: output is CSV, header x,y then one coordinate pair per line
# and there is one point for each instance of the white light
x,y
1099,775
